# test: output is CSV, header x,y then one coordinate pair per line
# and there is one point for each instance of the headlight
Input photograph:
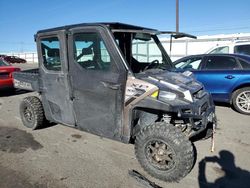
x,y
165,95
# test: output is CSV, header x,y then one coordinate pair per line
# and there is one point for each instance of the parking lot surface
x,y
60,156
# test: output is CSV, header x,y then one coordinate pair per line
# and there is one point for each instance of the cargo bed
x,y
27,80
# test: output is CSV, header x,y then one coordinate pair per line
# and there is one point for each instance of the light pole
x,y
177,16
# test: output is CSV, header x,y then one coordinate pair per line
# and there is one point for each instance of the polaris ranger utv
x,y
113,80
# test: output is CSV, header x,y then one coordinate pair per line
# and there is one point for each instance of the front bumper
x,y
198,114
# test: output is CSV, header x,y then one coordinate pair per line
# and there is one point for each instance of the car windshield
x,y
2,63
143,51
242,49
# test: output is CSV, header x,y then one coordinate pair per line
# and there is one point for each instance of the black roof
x,y
111,25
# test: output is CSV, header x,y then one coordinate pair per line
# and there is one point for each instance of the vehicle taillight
x,y
15,70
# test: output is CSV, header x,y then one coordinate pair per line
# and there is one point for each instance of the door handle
x,y
111,85
229,77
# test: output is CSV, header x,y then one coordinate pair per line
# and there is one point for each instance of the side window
x,y
180,64
90,52
221,63
104,54
244,64
51,53
192,63
242,49
223,50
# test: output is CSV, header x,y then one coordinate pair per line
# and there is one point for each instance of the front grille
x,y
4,75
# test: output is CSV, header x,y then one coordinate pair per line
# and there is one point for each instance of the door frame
x,y
67,113
120,64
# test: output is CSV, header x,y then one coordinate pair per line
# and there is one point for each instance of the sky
x,y
20,20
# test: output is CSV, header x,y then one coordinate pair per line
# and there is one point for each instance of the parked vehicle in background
x,y
225,76
13,59
2,55
6,79
239,47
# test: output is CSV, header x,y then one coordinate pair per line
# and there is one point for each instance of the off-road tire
x,y
235,100
183,150
32,113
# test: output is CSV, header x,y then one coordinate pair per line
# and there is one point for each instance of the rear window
x,y
242,49
220,50
244,64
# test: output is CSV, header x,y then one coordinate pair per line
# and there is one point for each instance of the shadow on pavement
x,y
224,104
46,125
13,140
232,176
12,92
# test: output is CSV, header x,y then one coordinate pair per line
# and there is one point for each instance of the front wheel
x,y
164,152
241,100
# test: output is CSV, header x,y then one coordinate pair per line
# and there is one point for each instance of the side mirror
x,y
53,52
188,73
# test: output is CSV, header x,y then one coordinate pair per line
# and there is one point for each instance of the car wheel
x,y
32,113
164,152
241,100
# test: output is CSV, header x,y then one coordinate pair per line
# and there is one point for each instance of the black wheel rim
x,y
160,155
28,114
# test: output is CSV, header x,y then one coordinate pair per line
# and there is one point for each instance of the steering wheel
x,y
156,62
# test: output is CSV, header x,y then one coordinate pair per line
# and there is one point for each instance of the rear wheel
x,y
164,152
32,113
241,100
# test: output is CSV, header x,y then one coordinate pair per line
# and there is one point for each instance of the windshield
x,y
242,49
143,51
2,63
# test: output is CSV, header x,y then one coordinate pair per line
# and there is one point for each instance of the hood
x,y
168,81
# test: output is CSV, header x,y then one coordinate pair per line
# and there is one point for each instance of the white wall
x,y
180,47
202,44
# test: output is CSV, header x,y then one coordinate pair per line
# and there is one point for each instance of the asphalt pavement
x,y
60,156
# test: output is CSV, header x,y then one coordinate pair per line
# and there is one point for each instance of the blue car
x,y
225,76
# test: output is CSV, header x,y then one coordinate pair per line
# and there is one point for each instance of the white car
x,y
239,47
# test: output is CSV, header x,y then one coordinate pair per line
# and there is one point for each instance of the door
x,y
219,74
54,83
98,80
